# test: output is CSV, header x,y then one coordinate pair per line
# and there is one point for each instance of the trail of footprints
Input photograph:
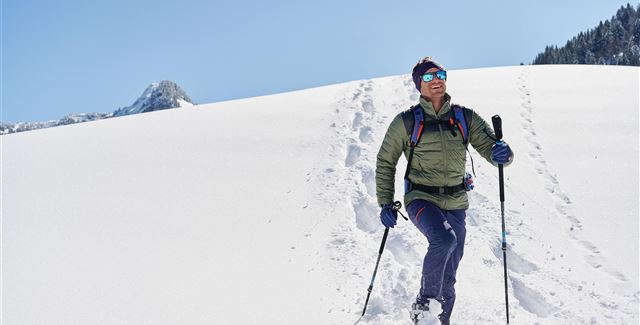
x,y
552,185
360,153
482,215
360,157
562,208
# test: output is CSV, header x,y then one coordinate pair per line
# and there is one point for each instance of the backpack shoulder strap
x,y
462,117
414,123
407,118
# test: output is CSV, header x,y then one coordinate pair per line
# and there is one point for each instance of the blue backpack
x,y
416,124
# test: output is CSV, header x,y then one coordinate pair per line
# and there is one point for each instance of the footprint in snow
x,y
357,121
515,262
531,300
353,154
366,134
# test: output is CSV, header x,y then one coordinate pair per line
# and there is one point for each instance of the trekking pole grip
x,y
497,126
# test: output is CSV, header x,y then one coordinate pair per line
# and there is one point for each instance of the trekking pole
x,y
396,206
497,127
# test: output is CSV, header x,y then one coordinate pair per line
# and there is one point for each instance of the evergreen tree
x,y
615,41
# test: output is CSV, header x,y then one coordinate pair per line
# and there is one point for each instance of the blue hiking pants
x,y
445,231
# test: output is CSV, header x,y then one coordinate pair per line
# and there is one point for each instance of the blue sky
x,y
61,57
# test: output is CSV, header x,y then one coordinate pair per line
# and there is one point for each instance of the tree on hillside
x,y
615,42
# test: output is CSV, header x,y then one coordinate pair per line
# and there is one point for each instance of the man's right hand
x,y
388,215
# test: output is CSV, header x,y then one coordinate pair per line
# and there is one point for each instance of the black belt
x,y
449,190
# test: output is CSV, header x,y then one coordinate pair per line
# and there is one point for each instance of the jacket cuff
x,y
382,203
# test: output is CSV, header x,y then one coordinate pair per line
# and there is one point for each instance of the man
x,y
435,195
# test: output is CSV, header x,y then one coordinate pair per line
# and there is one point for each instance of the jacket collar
x,y
427,106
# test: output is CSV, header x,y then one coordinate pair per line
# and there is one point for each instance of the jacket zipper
x,y
444,160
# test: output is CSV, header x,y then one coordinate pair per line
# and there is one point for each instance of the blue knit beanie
x,y
421,67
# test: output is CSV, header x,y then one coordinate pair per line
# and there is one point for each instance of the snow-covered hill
x,y
262,210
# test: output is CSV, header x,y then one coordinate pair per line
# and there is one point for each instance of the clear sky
x,y
70,56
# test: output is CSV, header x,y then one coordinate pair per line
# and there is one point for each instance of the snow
x,y
262,210
184,103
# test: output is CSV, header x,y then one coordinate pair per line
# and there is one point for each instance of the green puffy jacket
x,y
438,160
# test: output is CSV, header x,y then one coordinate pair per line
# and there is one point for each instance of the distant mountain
x,y
6,128
614,42
158,96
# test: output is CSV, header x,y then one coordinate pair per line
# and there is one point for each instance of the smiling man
x,y
433,136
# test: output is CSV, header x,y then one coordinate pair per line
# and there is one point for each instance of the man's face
x,y
433,89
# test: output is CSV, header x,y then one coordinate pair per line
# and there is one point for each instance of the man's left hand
x,y
501,153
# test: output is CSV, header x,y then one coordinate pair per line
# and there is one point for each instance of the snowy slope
x,y
262,210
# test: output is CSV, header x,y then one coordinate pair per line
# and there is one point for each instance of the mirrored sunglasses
x,y
429,76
